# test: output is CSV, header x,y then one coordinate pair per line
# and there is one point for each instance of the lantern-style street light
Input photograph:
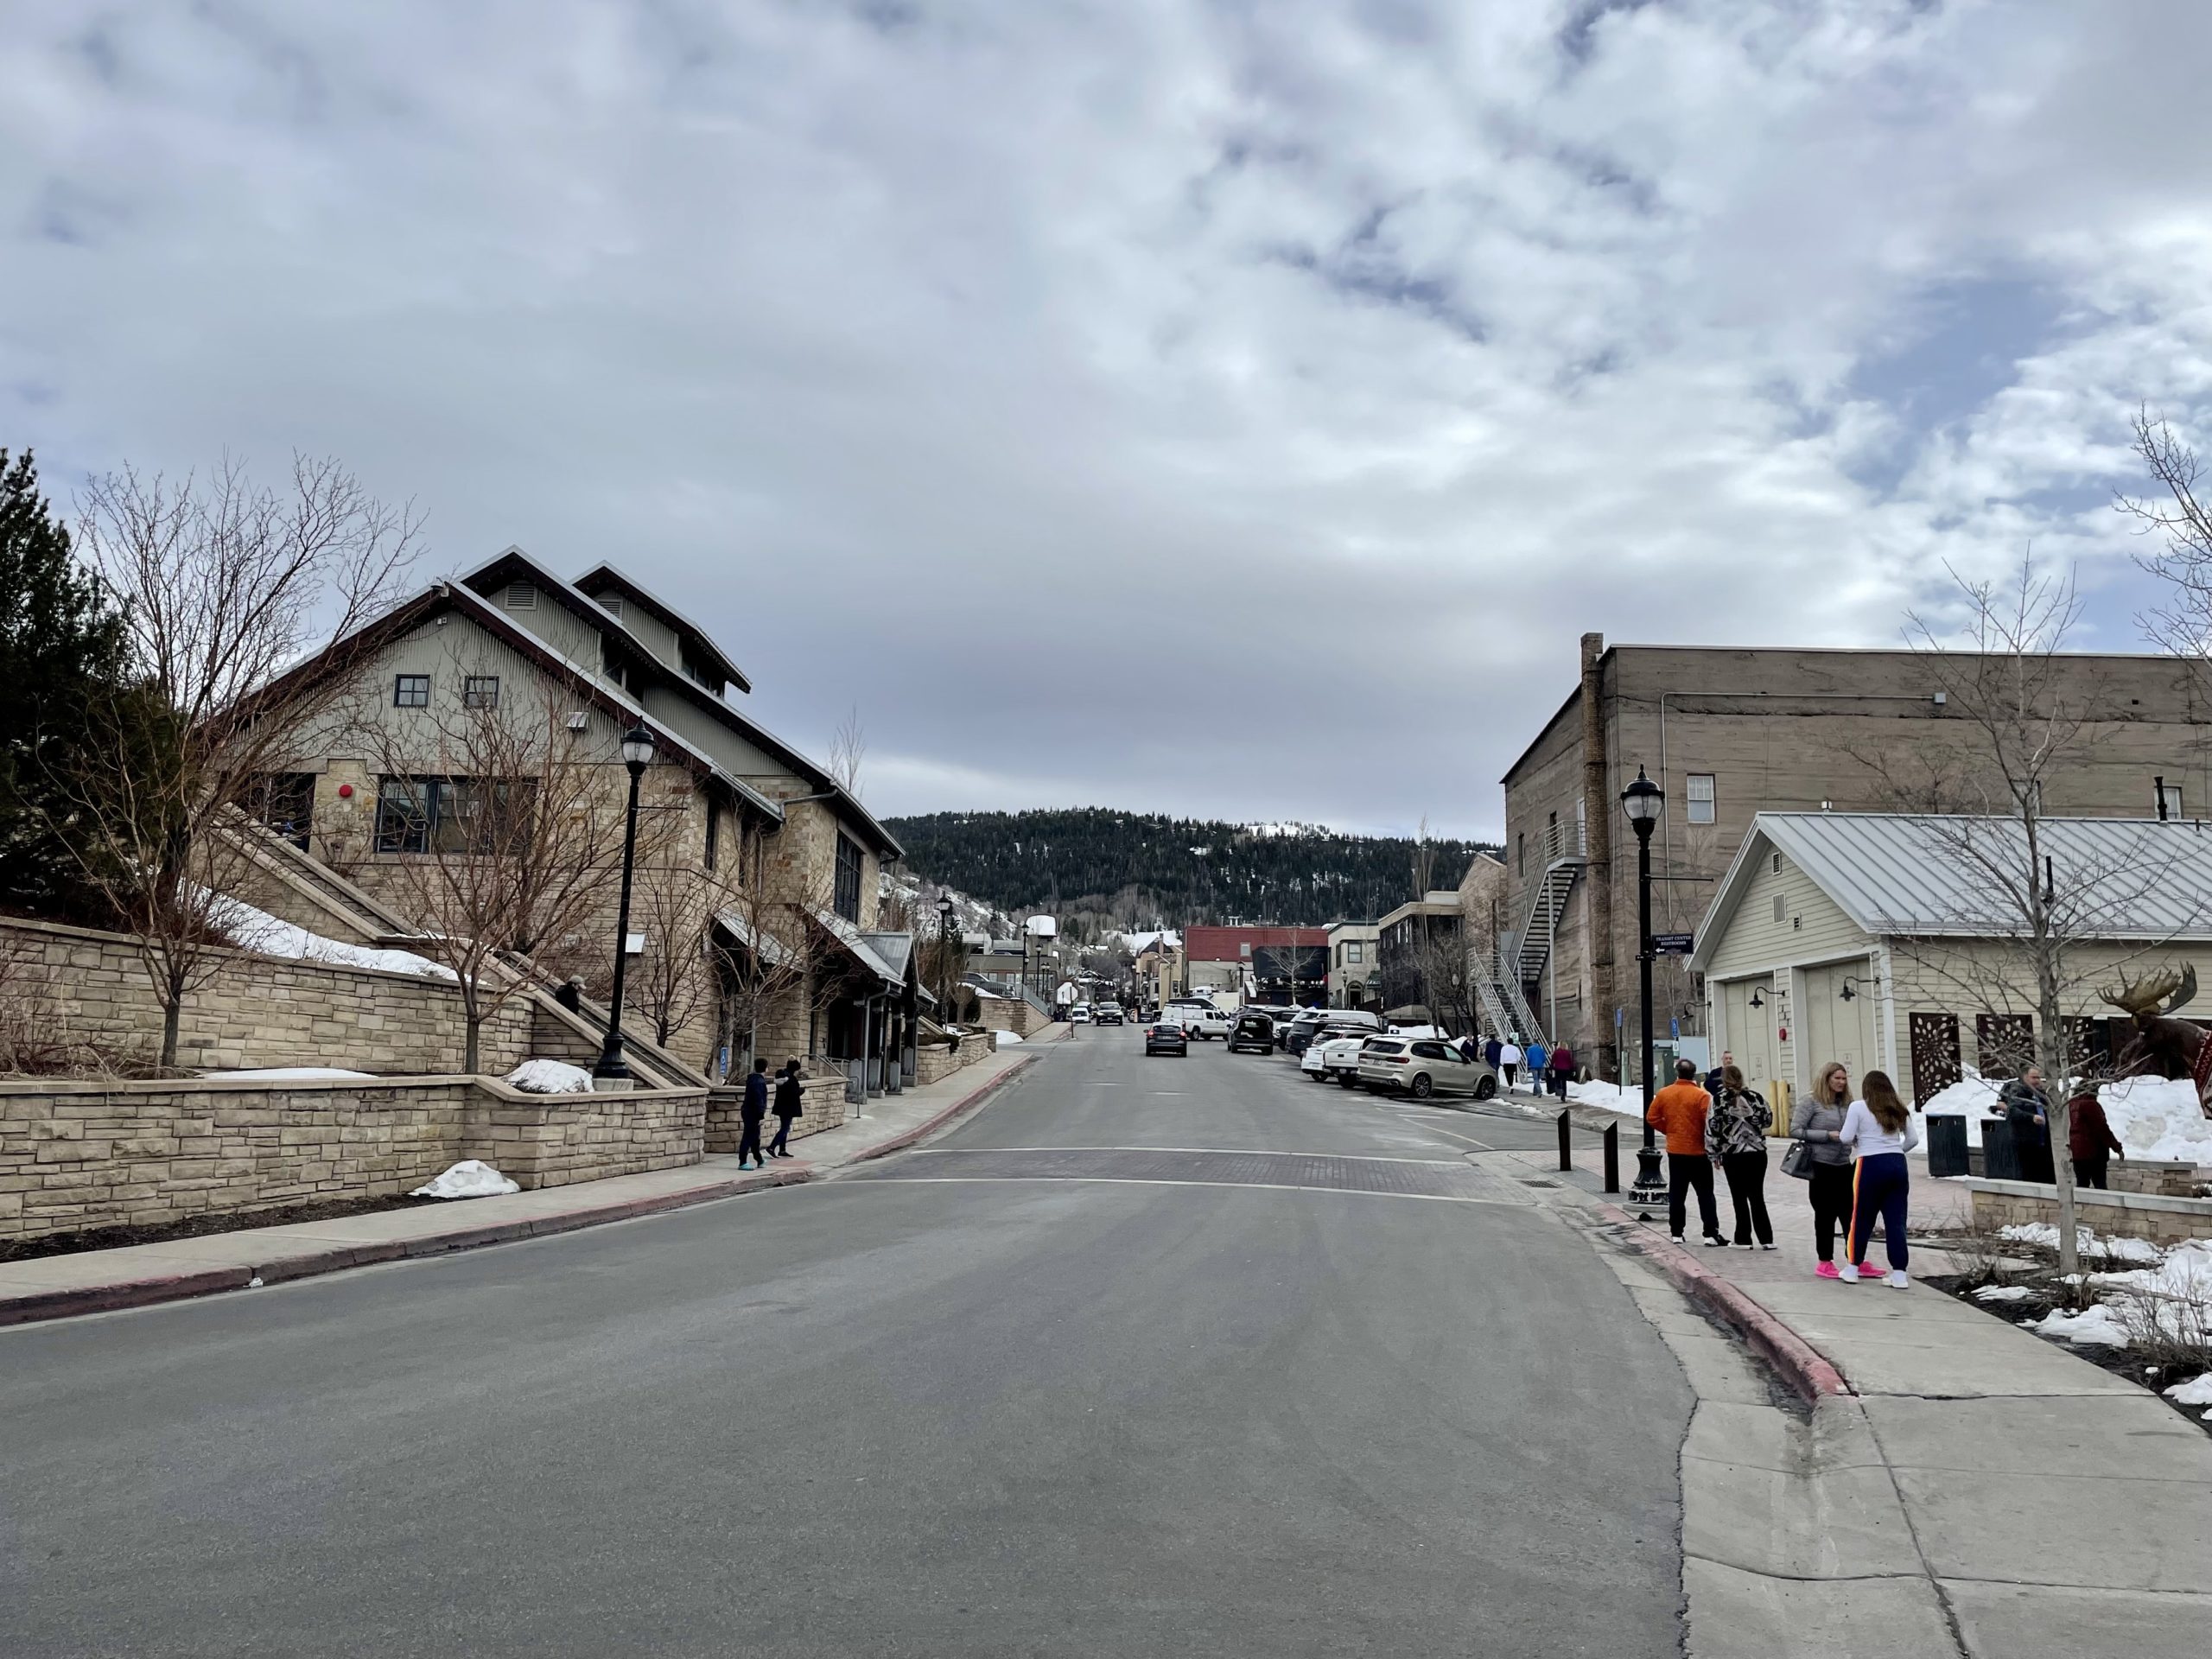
x,y
943,956
1643,801
636,755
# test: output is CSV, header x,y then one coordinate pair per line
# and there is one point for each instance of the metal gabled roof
x,y
1922,875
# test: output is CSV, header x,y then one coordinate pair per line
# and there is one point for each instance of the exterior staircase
x,y
1520,958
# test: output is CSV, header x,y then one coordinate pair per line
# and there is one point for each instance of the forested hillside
x,y
1136,869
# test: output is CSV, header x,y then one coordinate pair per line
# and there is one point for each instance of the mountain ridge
x,y
1120,869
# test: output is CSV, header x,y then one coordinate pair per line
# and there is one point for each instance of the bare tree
x,y
2022,715
848,749
511,821
225,585
2182,623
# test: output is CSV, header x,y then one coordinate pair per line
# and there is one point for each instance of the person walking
x,y
2027,1109
1817,1120
1561,1062
790,1104
750,1111
1679,1111
1509,1059
2090,1140
1879,1131
1737,1130
1491,1051
1534,1056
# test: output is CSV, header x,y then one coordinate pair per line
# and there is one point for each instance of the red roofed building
x,y
1285,965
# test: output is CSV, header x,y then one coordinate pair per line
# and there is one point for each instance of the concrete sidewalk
x,y
1965,1488
89,1281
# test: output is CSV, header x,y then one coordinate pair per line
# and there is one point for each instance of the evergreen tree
x,y
61,647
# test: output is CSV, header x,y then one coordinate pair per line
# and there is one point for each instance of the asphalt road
x,y
1047,1387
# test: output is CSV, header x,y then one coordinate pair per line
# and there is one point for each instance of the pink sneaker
x,y
1827,1271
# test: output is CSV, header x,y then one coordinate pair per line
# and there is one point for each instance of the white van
x,y
1205,1023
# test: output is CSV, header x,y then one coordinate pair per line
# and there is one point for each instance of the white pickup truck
x,y
1201,1022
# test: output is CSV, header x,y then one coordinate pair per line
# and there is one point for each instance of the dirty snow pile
x,y
549,1077
2086,1241
2197,1391
1608,1097
2098,1326
2158,1121
1005,1038
256,929
469,1178
2001,1293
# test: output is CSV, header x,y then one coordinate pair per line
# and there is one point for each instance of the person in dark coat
x,y
1562,1063
750,1111
2089,1138
2027,1109
1490,1051
790,1104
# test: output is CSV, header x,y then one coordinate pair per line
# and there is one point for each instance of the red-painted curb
x,y
1807,1372
966,1103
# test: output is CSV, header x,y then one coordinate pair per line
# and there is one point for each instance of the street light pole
x,y
637,755
1643,801
943,956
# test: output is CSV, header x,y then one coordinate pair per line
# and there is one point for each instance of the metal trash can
x,y
1947,1145
2000,1161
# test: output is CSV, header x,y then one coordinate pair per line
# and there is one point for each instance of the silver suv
x,y
1421,1066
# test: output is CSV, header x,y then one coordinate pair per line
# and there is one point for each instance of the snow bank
x,y
1971,1097
1005,1038
549,1077
1608,1097
2185,1272
2090,1246
256,929
468,1179
2197,1391
2159,1121
2097,1324
2001,1293
289,1073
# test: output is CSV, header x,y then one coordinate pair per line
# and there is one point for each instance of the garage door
x,y
1840,1028
1749,1032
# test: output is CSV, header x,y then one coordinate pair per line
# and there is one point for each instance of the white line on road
x,y
1131,1180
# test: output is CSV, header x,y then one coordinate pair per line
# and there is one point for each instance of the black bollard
x,y
1612,1157
1566,1156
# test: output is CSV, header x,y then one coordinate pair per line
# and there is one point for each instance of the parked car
x,y
1205,1024
1333,1056
1078,1014
1109,1013
1167,1038
1252,1031
1421,1066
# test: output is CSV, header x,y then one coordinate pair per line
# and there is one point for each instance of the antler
x,y
2143,995
2183,992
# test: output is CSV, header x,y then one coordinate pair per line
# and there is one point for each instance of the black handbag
x,y
1798,1161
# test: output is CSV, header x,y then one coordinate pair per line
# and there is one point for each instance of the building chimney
x,y
1598,806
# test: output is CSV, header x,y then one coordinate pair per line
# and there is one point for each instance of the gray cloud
x,y
1232,410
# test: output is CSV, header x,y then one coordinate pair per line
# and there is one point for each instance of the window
x,y
848,899
519,596
410,691
1357,953
1521,854
406,808
451,815
480,691
1244,948
713,833
2168,801
1701,798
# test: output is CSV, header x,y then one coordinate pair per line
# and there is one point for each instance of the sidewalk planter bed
x,y
2119,1214
76,1156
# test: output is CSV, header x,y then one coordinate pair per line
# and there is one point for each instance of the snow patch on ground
x,y
2001,1293
2155,1119
549,1077
469,1178
256,929
1005,1038
2185,1272
2097,1324
1608,1097
2090,1246
289,1074
2197,1391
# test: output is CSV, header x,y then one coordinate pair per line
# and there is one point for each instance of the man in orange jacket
x,y
1678,1112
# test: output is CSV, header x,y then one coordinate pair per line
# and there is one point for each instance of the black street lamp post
x,y
637,755
945,958
1643,801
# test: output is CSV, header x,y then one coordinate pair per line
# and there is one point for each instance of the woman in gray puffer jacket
x,y
1817,1121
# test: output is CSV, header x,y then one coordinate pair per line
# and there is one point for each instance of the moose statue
x,y
2163,1045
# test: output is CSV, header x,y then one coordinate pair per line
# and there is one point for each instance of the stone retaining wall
x,y
92,988
823,1104
79,1155
934,1062
2124,1215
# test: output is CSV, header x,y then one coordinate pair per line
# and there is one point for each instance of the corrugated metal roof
x,y
1905,873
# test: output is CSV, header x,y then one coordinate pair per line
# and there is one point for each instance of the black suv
x,y
1253,1031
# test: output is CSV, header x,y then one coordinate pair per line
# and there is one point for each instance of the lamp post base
x,y
1649,1191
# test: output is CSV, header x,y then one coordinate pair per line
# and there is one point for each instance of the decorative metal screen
x,y
1935,1054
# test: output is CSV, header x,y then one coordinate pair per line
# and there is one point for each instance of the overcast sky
x,y
1236,408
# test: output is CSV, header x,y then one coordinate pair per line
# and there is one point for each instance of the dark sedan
x,y
1165,1038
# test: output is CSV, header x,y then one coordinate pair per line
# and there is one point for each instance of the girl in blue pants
x,y
1879,1131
